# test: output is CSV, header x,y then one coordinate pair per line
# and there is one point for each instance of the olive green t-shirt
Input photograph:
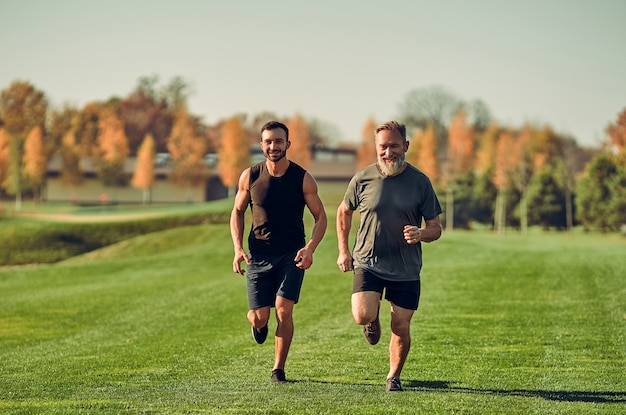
x,y
385,205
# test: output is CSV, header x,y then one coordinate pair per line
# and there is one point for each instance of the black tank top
x,y
277,205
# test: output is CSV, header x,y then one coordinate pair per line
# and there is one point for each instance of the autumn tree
x,y
366,154
521,170
5,150
22,108
422,152
71,171
300,148
233,154
143,177
112,149
87,127
505,160
146,111
459,160
485,192
60,121
34,161
486,152
187,147
321,133
617,134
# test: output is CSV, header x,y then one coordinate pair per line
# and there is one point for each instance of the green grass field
x,y
156,324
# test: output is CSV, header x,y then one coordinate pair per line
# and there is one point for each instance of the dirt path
x,y
68,217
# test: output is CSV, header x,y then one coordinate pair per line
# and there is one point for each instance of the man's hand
x,y
240,255
412,234
304,258
344,261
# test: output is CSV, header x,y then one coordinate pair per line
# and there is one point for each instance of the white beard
x,y
390,169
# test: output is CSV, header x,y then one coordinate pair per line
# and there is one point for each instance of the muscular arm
x,y
242,199
344,224
316,207
430,232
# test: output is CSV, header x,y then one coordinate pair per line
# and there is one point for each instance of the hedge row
x,y
47,242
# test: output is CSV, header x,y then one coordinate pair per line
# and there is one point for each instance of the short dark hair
x,y
393,126
272,125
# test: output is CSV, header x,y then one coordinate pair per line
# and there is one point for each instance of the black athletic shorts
x,y
269,276
405,294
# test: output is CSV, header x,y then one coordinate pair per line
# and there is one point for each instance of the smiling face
x,y
390,148
274,144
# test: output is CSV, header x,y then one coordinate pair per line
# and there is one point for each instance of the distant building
x,y
326,165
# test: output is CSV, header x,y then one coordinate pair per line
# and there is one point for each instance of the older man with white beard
x,y
393,198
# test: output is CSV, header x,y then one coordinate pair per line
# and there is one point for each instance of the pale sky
x,y
560,62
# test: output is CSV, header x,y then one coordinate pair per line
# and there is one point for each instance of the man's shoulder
x,y
366,172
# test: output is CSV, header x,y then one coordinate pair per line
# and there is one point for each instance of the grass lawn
x,y
156,324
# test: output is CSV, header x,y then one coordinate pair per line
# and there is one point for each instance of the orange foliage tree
x,y
143,176
23,108
34,162
522,168
5,148
300,149
422,152
505,160
366,153
460,159
486,153
617,134
233,154
112,149
187,149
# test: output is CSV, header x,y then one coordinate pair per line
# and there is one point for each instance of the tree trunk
x,y
523,212
569,215
500,213
449,209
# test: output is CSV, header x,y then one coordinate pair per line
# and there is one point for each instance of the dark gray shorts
x,y
270,276
405,294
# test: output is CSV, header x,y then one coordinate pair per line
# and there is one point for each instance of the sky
x,y
555,62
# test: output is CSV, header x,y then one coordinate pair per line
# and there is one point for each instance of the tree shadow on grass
x,y
556,395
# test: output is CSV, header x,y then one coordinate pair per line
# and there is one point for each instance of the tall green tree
x,y
547,197
601,194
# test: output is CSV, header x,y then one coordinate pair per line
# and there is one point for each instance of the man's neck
x,y
277,168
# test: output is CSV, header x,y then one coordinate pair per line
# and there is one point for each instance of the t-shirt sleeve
x,y
430,206
351,198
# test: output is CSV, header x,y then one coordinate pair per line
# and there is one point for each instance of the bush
x,y
45,242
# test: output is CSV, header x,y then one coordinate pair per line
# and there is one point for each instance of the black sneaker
x,y
394,385
372,331
260,334
278,376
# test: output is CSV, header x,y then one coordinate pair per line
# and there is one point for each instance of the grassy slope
x,y
157,324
